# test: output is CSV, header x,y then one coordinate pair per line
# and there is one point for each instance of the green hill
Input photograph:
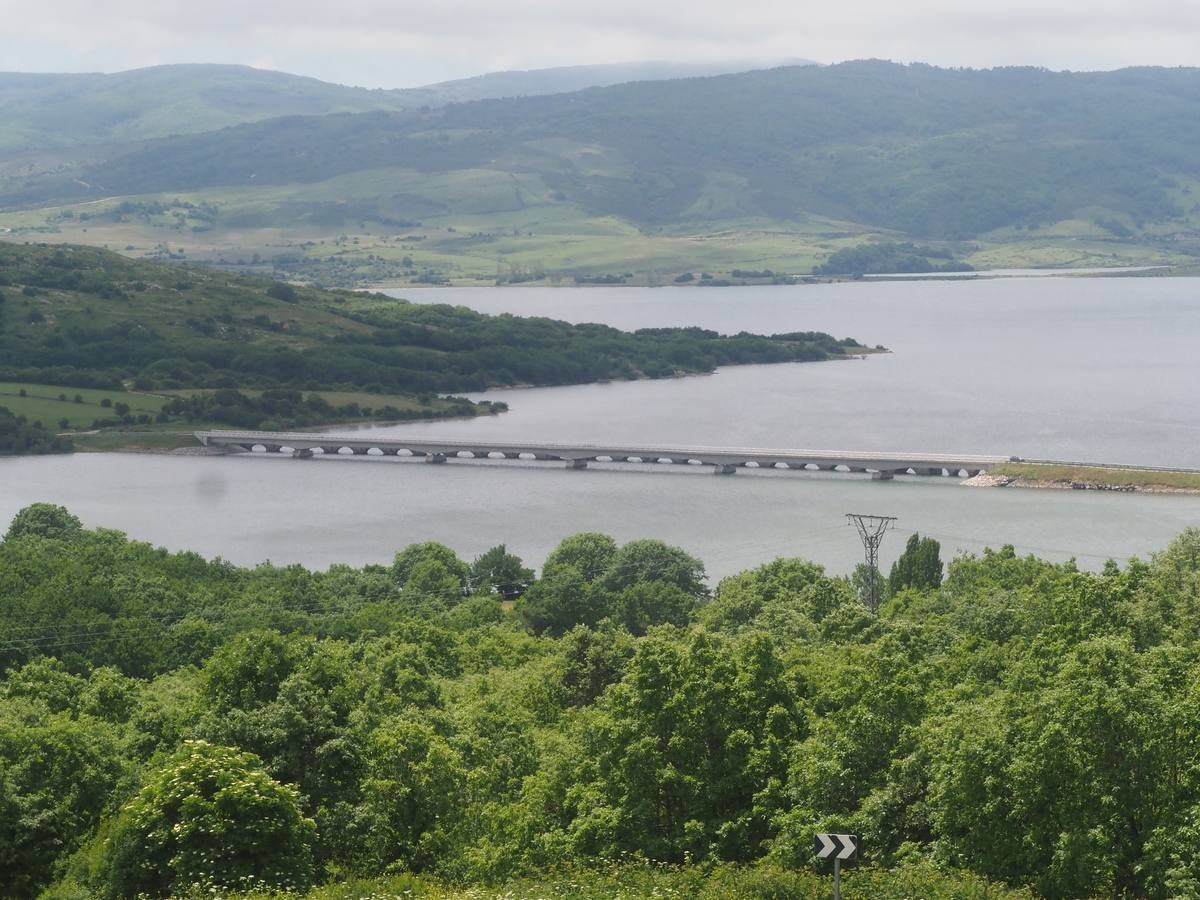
x,y
563,79
775,169
56,111
49,112
88,317
930,152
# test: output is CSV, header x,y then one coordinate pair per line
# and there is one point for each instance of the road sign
x,y
835,846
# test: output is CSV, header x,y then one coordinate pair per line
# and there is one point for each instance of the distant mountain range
x,y
930,152
57,111
861,148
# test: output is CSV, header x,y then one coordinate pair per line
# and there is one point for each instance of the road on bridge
x,y
724,460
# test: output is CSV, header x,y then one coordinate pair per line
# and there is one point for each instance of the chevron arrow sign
x,y
835,846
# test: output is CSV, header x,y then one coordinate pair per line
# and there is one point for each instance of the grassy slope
x,y
161,304
741,171
932,152
460,236
44,402
53,111
1097,475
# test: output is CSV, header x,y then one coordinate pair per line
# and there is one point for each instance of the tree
x,y
686,755
501,572
781,589
1064,785
919,566
431,582
563,599
57,773
208,816
281,290
287,700
408,558
411,795
650,560
592,659
589,553
648,603
44,520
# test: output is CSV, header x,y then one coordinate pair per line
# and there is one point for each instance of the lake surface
x,y
360,510
1091,369
1068,368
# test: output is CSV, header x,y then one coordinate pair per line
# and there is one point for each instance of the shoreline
x,y
1105,479
1164,270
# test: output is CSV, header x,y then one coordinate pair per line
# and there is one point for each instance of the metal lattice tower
x,y
871,529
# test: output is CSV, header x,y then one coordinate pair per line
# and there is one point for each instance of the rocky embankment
x,y
985,479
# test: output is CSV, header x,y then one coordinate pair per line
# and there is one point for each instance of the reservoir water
x,y
1066,368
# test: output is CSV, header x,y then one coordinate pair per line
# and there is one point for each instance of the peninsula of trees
x,y
176,345
88,317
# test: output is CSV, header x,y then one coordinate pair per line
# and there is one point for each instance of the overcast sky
x,y
401,43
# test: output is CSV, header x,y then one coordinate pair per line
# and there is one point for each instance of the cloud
x,y
400,42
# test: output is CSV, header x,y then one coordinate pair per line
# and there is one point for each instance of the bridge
x,y
723,460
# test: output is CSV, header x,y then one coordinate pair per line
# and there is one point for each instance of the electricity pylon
x,y
871,529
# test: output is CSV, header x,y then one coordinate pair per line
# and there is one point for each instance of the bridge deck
x,y
724,459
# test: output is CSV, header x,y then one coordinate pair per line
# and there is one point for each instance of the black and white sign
x,y
836,846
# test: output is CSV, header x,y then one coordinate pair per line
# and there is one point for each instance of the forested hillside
x,y
88,317
934,153
171,724
44,112
56,111
561,79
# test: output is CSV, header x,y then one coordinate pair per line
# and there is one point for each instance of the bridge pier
x,y
722,460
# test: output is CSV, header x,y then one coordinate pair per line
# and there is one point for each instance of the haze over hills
x,y
56,111
53,111
563,79
911,152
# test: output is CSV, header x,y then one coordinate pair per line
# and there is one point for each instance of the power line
x,y
60,637
871,529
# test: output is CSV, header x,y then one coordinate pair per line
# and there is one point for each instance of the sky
x,y
402,43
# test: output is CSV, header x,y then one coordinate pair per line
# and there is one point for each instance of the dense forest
x,y
45,111
887,258
280,409
934,153
20,436
1003,727
87,317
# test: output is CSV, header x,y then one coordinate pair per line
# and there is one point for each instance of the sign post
x,y
836,847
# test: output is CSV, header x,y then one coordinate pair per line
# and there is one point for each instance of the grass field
x,y
80,407
1138,478
476,226
44,403
402,402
